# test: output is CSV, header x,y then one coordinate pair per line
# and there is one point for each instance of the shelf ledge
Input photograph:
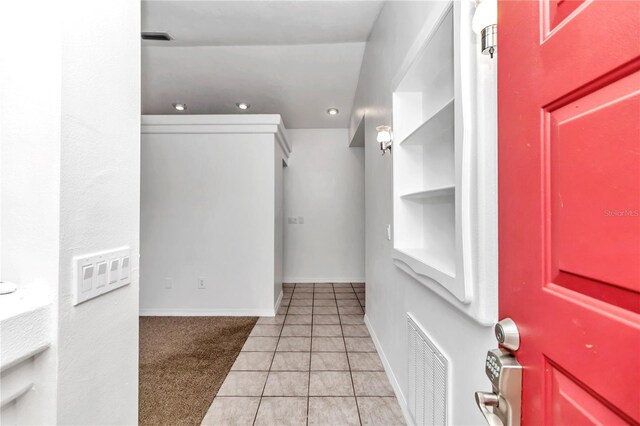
x,y
25,326
430,193
434,260
432,127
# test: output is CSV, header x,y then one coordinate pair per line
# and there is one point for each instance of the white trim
x,y
26,323
30,354
210,119
277,305
421,41
218,123
392,378
323,280
472,289
15,394
206,313
480,318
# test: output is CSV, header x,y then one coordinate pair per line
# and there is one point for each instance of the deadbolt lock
x,y
507,334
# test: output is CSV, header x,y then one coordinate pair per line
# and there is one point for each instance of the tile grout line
x,y
346,352
313,301
255,417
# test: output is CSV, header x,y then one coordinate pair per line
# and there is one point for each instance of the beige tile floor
x,y
314,363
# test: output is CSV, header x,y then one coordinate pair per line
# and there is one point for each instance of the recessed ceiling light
x,y
243,105
180,107
333,111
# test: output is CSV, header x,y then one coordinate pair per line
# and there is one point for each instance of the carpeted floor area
x,y
183,362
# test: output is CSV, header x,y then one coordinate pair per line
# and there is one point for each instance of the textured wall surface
x,y
208,211
324,184
99,208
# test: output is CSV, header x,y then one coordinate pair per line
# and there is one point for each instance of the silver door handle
x,y
505,373
488,399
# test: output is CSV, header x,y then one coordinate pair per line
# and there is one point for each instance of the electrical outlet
x,y
293,221
202,283
300,220
168,283
389,232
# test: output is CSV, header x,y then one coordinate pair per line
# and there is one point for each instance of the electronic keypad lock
x,y
502,406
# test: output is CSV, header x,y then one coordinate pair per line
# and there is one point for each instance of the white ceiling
x,y
242,23
295,58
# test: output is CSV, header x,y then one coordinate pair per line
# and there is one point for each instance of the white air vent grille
x,y
428,377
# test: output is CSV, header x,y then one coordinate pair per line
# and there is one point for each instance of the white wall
x,y
207,211
70,186
324,183
391,293
30,180
99,208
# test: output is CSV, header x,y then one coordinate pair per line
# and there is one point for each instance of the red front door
x,y
569,216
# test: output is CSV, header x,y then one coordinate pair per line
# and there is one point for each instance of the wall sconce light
x,y
384,138
485,25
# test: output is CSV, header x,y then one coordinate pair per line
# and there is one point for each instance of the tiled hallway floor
x,y
312,364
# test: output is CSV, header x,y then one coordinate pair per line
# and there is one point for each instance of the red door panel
x,y
569,213
594,189
571,404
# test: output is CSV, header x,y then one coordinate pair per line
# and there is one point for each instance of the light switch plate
x,y
168,283
99,273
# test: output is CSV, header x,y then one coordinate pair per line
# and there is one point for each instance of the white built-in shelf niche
x,y
427,162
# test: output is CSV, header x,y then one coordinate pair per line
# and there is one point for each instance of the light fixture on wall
x,y
156,36
243,106
333,111
180,107
485,25
384,138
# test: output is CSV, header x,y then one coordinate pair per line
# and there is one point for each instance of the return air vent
x,y
147,35
428,378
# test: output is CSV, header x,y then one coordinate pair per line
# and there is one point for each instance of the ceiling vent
x,y
149,35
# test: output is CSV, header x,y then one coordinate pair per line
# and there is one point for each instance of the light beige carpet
x,y
183,362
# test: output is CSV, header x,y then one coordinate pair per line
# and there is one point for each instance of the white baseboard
x,y
323,280
392,378
213,312
206,313
278,302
